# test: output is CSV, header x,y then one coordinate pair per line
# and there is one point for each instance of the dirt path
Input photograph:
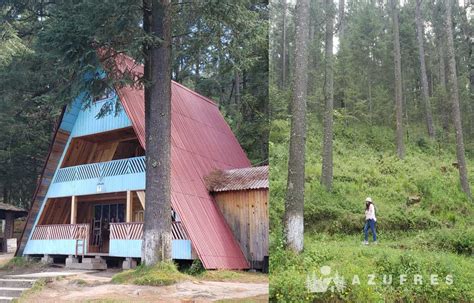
x,y
4,258
96,288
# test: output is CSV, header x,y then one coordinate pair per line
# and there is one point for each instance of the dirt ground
x,y
95,287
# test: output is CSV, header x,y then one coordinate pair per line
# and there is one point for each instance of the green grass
x,y
436,234
164,273
20,262
233,276
38,286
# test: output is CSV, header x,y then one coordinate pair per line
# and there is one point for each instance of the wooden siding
x,y
246,212
56,211
59,143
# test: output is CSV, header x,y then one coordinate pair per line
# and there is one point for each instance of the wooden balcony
x,y
102,177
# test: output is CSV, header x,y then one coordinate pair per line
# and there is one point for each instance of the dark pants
x,y
370,224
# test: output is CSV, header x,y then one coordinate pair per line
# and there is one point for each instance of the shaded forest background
x,y
363,67
355,149
47,49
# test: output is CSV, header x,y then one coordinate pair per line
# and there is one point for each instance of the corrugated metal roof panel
x,y
197,128
238,179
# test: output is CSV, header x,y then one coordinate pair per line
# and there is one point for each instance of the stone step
x,y
25,283
6,299
11,291
87,265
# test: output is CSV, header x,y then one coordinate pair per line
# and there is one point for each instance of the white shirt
x,y
370,213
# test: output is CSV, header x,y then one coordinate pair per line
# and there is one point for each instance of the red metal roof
x,y
201,141
238,179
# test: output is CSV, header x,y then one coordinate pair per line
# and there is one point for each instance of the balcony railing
x,y
101,170
61,232
134,231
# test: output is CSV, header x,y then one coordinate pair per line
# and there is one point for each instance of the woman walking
x,y
369,221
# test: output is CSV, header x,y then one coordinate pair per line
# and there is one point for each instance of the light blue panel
x,y
57,247
125,248
87,122
89,186
70,115
180,249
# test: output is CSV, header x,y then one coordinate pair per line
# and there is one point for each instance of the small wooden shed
x,y
9,213
242,196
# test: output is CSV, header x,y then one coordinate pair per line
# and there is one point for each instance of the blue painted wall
x,y
89,186
180,249
87,122
56,247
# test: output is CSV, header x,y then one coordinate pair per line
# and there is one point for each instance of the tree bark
x,y
424,78
294,203
157,227
398,81
237,88
284,43
327,165
341,21
454,94
446,114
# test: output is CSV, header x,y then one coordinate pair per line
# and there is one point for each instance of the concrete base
x,y
71,260
129,263
87,263
47,259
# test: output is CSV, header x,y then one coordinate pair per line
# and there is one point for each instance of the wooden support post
x,y
9,227
141,197
73,209
129,206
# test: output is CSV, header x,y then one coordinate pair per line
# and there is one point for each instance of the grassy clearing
x,y
233,276
164,273
436,234
167,274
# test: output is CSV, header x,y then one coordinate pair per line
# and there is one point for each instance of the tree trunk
x,y
327,165
284,59
294,203
446,114
157,227
237,88
398,82
424,78
341,21
454,92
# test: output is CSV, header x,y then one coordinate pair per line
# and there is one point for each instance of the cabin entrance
x,y
103,215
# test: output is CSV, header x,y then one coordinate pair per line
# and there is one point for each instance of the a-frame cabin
x,y
90,197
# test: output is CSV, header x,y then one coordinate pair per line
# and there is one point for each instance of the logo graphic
x,y
325,282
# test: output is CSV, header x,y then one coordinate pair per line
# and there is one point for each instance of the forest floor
x,y
425,223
